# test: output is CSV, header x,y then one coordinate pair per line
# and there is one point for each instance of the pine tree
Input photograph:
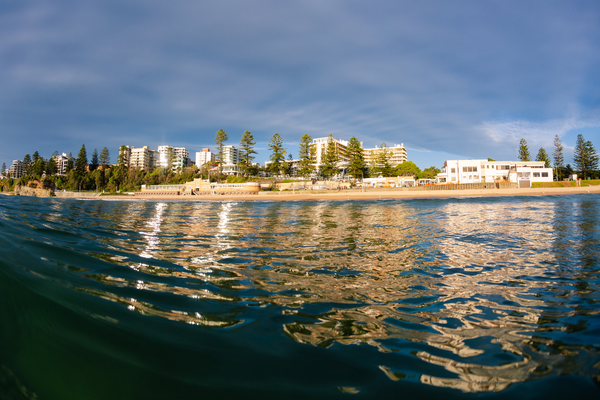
x,y
524,151
26,164
104,158
82,161
277,153
382,161
94,164
220,138
559,158
356,159
543,156
306,165
51,166
69,166
247,145
585,158
123,159
329,160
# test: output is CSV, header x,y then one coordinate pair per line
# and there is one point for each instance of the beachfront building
x,y
172,157
484,171
142,158
165,156
16,169
231,155
203,157
397,154
318,148
61,163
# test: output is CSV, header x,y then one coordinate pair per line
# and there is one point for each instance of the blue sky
x,y
449,79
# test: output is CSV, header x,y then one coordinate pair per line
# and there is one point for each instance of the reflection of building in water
x,y
458,280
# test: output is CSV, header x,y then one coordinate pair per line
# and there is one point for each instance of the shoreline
x,y
372,194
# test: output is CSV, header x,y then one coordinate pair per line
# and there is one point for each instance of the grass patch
x,y
592,182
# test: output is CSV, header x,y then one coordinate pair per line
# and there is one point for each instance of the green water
x,y
460,298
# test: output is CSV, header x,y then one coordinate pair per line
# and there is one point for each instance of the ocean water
x,y
425,298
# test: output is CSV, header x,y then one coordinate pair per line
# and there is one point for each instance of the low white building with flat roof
x,y
484,171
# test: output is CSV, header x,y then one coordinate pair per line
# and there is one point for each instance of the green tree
x,y
81,162
123,159
104,158
357,167
524,151
306,165
247,146
220,138
559,158
429,173
38,167
543,156
277,153
51,165
408,168
94,163
69,166
491,159
585,158
26,164
3,169
330,159
381,165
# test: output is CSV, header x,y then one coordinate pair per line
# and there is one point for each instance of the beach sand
x,y
372,194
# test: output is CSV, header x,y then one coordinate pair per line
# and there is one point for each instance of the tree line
x,y
280,166
585,158
98,174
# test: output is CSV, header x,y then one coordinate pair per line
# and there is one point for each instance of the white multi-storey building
x,y
61,163
165,156
142,158
397,154
16,169
204,156
477,171
231,155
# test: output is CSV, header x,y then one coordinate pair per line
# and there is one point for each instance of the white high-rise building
x,y
142,158
397,154
165,156
61,163
16,169
231,155
204,156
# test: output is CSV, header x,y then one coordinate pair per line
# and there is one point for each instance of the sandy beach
x,y
371,194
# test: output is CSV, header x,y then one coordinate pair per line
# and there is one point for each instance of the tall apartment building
x,y
318,147
141,158
231,155
204,156
61,163
172,157
16,169
181,152
397,154
165,156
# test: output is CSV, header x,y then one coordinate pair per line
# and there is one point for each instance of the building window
x,y
536,174
453,170
469,169
544,174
